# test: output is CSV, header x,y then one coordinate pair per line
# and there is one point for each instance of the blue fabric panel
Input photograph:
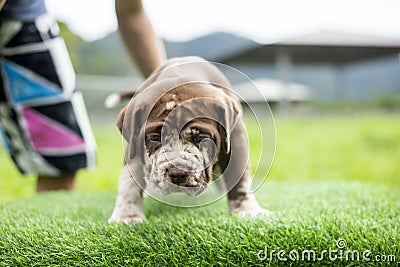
x,y
25,88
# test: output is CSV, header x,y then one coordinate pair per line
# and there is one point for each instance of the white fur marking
x,y
170,105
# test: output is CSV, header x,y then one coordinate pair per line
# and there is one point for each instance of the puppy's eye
x,y
154,137
198,138
198,135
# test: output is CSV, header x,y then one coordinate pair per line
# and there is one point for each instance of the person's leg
x,y
60,182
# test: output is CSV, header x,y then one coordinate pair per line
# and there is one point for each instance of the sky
x,y
261,20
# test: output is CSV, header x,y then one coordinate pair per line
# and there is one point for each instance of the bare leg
x,y
63,182
142,43
2,2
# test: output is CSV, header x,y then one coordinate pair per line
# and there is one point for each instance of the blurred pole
x,y
284,64
340,90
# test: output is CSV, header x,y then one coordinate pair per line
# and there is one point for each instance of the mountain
x,y
211,47
108,56
361,80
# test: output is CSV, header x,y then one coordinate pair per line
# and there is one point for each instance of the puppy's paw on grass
x,y
248,207
252,213
127,219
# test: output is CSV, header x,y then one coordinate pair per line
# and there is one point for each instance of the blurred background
x,y
330,70
323,53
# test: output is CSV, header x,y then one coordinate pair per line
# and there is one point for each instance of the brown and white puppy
x,y
183,129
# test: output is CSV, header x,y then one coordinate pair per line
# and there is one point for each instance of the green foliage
x,y
388,101
73,42
103,56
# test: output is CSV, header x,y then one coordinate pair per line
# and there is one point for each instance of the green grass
x,y
70,229
333,178
356,148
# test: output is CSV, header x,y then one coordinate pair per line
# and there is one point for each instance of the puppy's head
x,y
181,136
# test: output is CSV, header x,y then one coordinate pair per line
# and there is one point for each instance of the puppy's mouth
x,y
177,179
193,191
186,180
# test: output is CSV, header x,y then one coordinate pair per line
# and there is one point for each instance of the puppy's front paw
x,y
252,213
247,208
128,218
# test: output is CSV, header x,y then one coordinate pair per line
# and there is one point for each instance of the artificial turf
x,y
335,180
346,219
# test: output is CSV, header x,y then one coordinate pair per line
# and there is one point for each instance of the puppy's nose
x,y
178,175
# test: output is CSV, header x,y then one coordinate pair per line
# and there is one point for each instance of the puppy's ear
x,y
130,124
120,120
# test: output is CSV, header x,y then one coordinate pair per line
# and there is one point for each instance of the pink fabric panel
x,y
45,134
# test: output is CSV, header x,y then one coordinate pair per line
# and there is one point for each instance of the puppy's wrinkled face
x,y
180,161
180,153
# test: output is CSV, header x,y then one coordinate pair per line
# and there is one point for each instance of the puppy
x,y
183,129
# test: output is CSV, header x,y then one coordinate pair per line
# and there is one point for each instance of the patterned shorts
x,y
43,119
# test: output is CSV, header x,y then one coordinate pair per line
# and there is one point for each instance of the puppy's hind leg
x,y
129,203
